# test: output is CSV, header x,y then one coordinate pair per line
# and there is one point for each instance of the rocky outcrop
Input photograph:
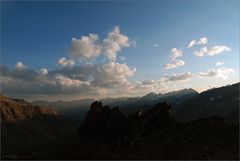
x,y
24,125
100,122
155,134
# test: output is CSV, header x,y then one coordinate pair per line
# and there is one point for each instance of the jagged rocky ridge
x,y
108,134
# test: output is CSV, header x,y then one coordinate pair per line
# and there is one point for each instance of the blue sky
x,y
39,33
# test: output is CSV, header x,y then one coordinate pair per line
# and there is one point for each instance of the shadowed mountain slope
x,y
24,125
223,101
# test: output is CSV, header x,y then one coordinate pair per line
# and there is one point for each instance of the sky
x,y
76,50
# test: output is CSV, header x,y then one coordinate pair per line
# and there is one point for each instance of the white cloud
x,y
43,71
114,43
218,73
175,53
66,82
19,65
217,50
112,75
202,41
211,51
220,63
90,47
174,64
64,62
85,48
155,45
191,44
202,52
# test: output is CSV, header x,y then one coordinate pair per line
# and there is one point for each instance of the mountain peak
x,y
150,94
96,106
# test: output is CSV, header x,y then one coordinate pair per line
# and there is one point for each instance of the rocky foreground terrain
x,y
107,133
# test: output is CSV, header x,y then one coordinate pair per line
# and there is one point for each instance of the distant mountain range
x,y
24,125
72,110
187,104
77,110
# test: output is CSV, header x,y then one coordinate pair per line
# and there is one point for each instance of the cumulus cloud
x,y
87,47
219,63
114,43
112,75
202,52
155,45
43,71
175,53
201,41
174,64
64,62
66,82
192,43
218,73
19,65
212,50
217,50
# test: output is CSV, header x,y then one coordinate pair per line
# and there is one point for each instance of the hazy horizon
x,y
99,99
78,50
